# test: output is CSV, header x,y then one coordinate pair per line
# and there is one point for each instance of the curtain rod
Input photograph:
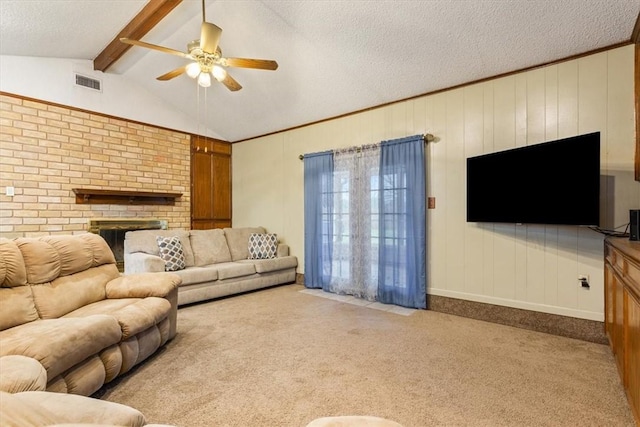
x,y
427,138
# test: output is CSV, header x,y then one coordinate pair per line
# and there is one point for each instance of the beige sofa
x,y
65,304
216,261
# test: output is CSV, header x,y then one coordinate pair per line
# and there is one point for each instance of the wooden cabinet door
x,y
618,323
609,302
632,351
210,183
221,187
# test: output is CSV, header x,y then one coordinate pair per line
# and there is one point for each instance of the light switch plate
x,y
10,191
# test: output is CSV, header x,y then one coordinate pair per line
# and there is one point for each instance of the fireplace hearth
x,y
113,231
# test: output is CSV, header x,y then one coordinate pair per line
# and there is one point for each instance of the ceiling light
x,y
193,70
204,79
219,73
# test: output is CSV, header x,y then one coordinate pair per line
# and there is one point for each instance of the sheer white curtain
x,y
365,228
355,222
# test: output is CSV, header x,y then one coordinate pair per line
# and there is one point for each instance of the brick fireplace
x,y
113,231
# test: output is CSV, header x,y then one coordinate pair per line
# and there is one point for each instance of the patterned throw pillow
x,y
262,246
171,252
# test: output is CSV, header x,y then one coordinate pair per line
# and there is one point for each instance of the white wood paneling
x,y
551,106
504,247
533,267
567,98
550,265
454,201
535,234
473,146
620,128
592,117
488,233
438,231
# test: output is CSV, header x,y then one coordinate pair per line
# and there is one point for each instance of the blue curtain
x,y
402,250
318,223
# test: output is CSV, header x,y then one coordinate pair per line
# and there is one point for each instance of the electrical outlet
x,y
584,281
10,191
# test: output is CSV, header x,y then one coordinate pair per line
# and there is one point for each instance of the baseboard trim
x,y
571,327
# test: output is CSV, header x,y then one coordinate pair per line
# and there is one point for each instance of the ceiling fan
x,y
207,58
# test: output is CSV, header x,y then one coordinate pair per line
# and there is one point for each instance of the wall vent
x,y
88,82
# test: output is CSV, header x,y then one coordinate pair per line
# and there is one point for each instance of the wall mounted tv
x,y
555,182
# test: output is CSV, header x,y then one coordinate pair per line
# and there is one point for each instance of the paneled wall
x,y
527,266
46,150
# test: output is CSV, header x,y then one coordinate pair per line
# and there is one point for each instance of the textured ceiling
x,y
335,57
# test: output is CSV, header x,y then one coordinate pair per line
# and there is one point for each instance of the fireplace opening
x,y
113,231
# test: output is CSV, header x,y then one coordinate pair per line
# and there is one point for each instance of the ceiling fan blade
x,y
172,74
209,37
231,83
262,64
155,47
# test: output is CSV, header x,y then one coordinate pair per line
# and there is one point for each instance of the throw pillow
x,y
262,246
171,252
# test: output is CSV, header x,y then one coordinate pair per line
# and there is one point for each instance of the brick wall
x,y
46,150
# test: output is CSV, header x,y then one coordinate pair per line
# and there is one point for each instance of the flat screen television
x,y
555,182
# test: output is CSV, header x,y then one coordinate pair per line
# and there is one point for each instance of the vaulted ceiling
x,y
334,56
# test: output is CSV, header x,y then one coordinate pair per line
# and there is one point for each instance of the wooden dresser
x,y
622,313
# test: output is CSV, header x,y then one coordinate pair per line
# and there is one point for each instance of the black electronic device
x,y
634,227
556,182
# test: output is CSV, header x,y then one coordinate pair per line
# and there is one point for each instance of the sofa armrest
x,y
21,373
74,409
143,285
140,262
282,251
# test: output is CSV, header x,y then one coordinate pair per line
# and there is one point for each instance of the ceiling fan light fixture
x,y
219,73
204,79
193,70
206,58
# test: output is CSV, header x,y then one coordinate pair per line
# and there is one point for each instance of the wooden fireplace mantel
x,y
118,197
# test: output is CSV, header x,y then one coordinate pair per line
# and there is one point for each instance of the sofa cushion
x,y
133,314
238,240
193,275
41,260
17,307
21,373
145,241
102,253
229,270
49,257
209,247
68,293
262,246
71,408
59,344
142,285
274,264
12,271
75,254
171,252
15,412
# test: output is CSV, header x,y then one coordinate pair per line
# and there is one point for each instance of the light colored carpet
x,y
280,357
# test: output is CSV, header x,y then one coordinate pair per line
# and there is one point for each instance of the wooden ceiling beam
x,y
152,13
